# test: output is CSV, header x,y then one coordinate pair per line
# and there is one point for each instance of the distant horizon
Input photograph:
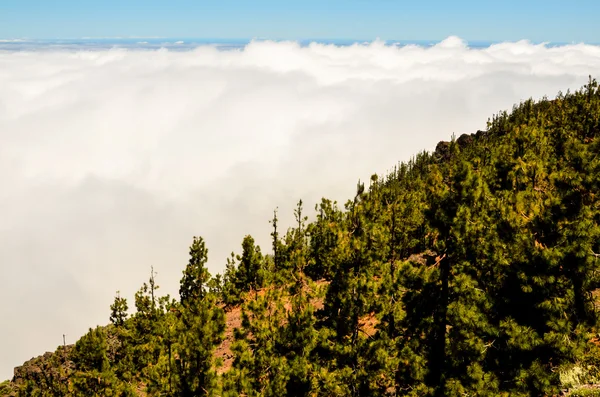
x,y
190,43
293,39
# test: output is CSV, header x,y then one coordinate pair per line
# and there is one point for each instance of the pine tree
x,y
350,297
257,367
118,311
195,276
198,330
250,268
232,292
298,335
121,348
146,328
323,241
93,375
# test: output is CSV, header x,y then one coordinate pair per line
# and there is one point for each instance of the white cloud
x,y
111,160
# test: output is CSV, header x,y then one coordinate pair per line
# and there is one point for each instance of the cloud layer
x,y
111,160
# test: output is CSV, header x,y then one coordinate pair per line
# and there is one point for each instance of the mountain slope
x,y
467,271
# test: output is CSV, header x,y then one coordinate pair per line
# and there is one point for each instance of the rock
x,y
442,151
464,140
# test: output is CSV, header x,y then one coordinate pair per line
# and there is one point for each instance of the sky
x,y
113,157
536,20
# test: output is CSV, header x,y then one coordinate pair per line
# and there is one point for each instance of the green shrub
x,y
585,392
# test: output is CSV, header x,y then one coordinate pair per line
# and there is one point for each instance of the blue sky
x,y
549,20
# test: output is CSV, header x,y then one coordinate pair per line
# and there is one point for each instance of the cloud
x,y
111,160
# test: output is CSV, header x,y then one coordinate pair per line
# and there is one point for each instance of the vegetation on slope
x,y
467,271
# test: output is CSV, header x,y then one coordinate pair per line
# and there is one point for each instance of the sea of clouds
x,y
111,160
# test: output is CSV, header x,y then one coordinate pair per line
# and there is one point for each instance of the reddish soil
x,y
233,320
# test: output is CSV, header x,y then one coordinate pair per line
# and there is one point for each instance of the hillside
x,y
472,270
